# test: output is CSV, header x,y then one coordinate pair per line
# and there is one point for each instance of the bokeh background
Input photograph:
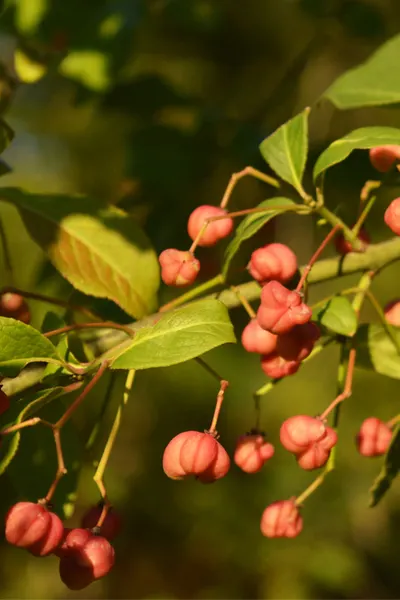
x,y
152,105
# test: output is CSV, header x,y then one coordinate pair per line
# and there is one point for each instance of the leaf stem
x,y
244,302
98,477
49,300
236,177
61,422
191,294
103,325
220,398
316,256
6,253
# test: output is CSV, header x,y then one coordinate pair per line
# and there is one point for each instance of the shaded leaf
x,y
359,139
178,336
252,223
338,316
34,466
376,82
389,471
376,351
21,344
32,406
100,251
286,150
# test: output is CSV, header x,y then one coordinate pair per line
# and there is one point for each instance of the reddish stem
x,y
315,257
218,405
347,390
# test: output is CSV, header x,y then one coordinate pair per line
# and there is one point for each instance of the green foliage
x,y
101,251
359,139
286,150
253,223
376,351
6,136
389,471
337,315
34,465
32,403
374,83
21,344
178,336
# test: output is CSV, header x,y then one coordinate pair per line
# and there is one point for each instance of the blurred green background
x,y
153,105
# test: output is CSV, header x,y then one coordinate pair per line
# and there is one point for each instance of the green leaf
x,y
178,336
286,150
34,466
6,136
28,69
252,223
389,471
376,351
359,139
89,67
21,344
376,82
32,406
338,316
100,251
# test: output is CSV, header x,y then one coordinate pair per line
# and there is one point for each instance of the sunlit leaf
x,y
376,351
100,251
178,336
374,83
338,316
389,471
363,138
252,223
21,344
286,150
28,69
91,68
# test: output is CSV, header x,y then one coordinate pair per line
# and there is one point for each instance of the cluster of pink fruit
x,y
85,553
282,333
310,440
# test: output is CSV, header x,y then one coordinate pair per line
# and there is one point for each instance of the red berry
x,y
383,157
392,216
51,539
281,519
171,458
4,402
374,437
218,469
178,268
86,557
256,339
72,539
274,261
277,367
392,312
318,452
297,343
14,306
281,309
73,575
251,452
298,433
112,523
34,527
195,453
198,453
343,246
216,230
